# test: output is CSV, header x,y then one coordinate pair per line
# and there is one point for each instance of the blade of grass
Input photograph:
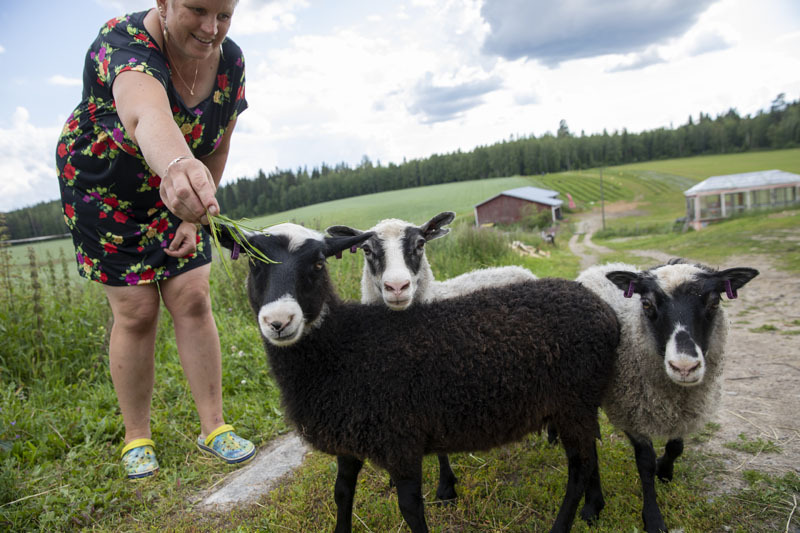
x,y
238,228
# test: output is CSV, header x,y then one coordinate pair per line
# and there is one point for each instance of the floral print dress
x,y
110,196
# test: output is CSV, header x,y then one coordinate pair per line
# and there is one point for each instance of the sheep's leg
x,y
344,491
447,480
646,464
409,497
581,464
672,451
552,433
594,501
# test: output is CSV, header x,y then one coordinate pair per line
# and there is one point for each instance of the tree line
x,y
279,190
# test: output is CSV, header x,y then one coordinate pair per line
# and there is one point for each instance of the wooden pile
x,y
531,251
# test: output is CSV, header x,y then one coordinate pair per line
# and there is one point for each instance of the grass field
x,y
60,428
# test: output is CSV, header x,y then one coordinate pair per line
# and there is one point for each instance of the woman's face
x,y
196,27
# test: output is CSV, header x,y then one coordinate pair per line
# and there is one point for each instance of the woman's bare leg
x,y
188,300
131,354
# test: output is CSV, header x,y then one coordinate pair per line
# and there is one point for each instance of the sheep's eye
x,y
420,244
712,305
648,307
319,265
367,249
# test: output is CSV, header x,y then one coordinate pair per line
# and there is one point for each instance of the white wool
x,y
297,234
424,287
642,400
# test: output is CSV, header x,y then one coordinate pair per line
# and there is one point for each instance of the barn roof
x,y
531,194
748,180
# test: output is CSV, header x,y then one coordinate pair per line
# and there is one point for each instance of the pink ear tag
x,y
730,291
338,254
353,249
629,293
235,251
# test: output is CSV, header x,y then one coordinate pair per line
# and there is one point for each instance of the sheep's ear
x,y
629,282
229,236
732,279
433,229
343,231
335,245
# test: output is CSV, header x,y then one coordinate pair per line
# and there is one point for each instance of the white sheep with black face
x,y
670,357
397,272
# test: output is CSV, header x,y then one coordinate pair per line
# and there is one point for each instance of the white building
x,y
720,197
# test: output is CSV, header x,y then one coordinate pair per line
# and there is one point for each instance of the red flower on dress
x,y
69,210
99,148
69,172
87,261
120,217
222,81
154,181
163,225
102,215
110,248
103,277
73,124
62,150
197,131
148,274
240,93
113,202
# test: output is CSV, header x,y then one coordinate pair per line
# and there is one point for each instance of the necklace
x,y
178,71
196,67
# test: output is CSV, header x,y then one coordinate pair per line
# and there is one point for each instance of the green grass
x,y
754,447
60,428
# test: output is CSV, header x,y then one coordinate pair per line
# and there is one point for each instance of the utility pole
x,y
602,199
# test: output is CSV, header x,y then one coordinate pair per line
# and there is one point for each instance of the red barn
x,y
511,205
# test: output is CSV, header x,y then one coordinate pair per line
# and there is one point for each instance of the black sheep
x,y
471,373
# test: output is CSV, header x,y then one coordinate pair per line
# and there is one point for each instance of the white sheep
x,y
397,272
670,357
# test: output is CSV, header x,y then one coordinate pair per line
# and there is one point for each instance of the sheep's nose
x,y
685,367
397,287
278,325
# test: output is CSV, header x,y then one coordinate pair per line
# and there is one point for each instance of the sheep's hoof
x,y
664,470
591,511
446,495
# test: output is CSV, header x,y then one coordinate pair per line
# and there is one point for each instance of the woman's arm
x,y
187,187
215,161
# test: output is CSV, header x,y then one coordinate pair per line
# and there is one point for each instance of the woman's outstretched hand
x,y
187,189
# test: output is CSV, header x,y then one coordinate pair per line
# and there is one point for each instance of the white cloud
x,y
649,57
2,49
64,81
27,162
265,16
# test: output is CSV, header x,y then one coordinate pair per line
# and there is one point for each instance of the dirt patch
x,y
759,415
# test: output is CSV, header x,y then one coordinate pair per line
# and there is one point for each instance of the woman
x,y
139,161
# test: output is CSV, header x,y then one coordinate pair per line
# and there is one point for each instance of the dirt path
x,y
760,406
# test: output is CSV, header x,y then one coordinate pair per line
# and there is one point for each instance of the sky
x,y
331,81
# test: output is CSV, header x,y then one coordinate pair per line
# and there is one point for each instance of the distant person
x,y
139,161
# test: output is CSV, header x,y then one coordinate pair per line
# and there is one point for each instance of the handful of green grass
x,y
237,229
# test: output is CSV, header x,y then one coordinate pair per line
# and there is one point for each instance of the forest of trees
x,y
777,128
